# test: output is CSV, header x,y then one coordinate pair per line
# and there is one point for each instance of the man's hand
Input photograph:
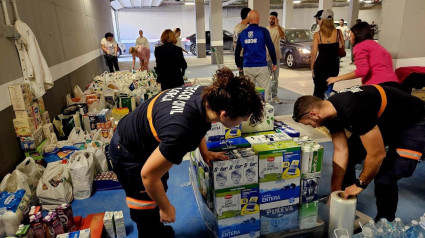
x,y
277,21
274,67
168,215
353,190
210,156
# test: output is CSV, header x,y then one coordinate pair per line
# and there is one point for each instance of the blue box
x,y
279,219
240,227
281,190
228,144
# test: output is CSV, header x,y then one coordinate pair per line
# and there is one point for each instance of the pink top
x,y
373,63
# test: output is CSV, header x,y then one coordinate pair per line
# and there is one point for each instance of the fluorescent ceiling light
x,y
189,3
368,1
297,2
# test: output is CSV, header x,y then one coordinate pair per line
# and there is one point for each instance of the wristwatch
x,y
361,184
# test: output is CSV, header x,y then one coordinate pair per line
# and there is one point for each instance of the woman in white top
x,y
142,40
177,33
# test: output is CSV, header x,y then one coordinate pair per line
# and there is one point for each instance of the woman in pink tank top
x,y
373,62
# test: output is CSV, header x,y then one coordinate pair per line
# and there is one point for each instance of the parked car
x,y
121,48
296,47
190,42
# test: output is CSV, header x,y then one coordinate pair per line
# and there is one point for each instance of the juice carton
x,y
108,223
37,225
66,217
53,224
119,224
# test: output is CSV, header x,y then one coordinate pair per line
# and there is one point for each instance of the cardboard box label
x,y
279,219
273,191
238,226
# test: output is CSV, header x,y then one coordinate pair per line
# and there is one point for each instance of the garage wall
x,y
154,20
68,33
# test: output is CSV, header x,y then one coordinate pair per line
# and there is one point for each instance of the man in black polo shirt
x,y
154,137
388,132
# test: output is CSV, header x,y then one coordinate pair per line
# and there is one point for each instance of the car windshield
x,y
299,36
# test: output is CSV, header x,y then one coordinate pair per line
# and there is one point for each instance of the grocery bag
x,y
82,173
15,181
33,171
55,186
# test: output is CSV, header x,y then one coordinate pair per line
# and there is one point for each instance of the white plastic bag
x,y
99,158
78,93
34,172
14,181
77,135
55,187
82,173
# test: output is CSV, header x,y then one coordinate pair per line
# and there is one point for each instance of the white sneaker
x,y
276,100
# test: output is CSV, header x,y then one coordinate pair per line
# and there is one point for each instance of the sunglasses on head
x,y
297,119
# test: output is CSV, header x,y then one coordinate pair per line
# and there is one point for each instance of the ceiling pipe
x,y
229,2
15,10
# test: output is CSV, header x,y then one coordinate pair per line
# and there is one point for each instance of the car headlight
x,y
304,51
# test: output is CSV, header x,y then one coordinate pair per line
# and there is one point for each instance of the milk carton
x,y
309,189
53,224
236,201
66,217
266,139
119,224
108,223
287,192
277,161
21,97
311,159
240,226
37,225
266,125
279,219
308,215
240,169
228,144
80,234
219,132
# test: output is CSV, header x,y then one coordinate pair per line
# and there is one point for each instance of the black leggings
x,y
111,62
320,86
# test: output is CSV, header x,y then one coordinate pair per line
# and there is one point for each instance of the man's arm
x,y
280,29
104,48
155,167
375,154
340,160
270,46
208,156
238,52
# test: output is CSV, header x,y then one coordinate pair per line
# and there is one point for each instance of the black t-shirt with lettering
x,y
357,111
178,117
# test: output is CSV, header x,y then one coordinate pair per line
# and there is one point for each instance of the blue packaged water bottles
x,y
417,231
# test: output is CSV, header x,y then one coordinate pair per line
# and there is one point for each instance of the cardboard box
x,y
23,102
287,191
236,171
16,91
45,117
24,113
229,144
32,142
24,126
119,224
41,106
261,92
277,161
308,215
309,189
48,130
37,116
266,125
237,201
219,132
279,219
80,234
240,226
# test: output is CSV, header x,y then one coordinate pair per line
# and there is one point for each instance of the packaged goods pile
x,y
268,185
66,156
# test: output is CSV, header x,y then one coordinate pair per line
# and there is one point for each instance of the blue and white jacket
x,y
254,40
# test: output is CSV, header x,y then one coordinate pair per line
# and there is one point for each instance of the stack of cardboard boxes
x,y
32,122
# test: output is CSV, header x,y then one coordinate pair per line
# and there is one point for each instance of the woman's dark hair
x,y
234,95
109,34
361,31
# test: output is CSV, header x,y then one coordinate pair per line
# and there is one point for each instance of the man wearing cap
x,y
276,33
317,17
387,132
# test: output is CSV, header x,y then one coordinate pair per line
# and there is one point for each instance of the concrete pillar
x,y
325,4
402,31
216,30
288,14
353,12
263,7
200,29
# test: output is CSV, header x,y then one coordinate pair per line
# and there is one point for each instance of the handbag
x,y
341,50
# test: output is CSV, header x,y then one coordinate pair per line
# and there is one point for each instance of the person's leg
x,y
110,64
274,82
250,73
319,86
263,80
115,61
401,162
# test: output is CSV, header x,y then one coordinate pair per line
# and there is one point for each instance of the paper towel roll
x,y
342,213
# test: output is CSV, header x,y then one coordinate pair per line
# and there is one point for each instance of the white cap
x,y
414,222
327,14
397,219
372,222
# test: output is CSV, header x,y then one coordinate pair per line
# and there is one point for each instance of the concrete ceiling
x,y
134,4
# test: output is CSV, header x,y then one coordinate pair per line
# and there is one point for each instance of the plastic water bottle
x,y
380,233
417,231
11,223
371,225
413,223
399,228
